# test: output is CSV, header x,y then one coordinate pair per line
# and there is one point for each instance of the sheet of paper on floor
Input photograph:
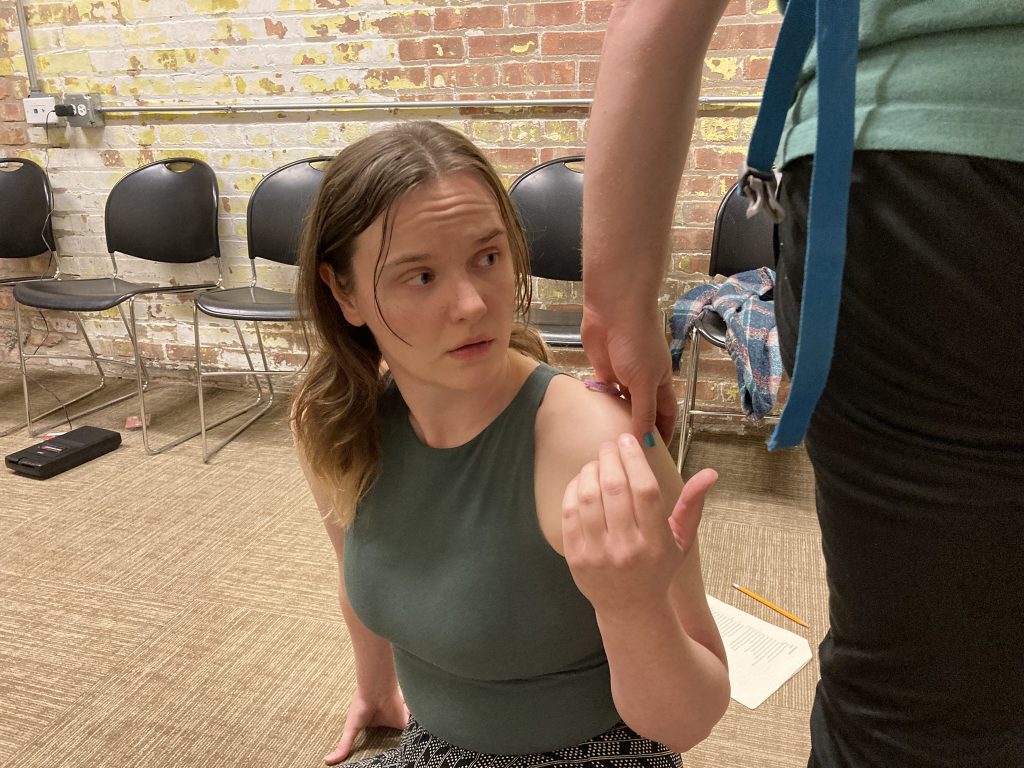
x,y
762,657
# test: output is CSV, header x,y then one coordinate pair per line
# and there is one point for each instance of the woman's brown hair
x,y
335,409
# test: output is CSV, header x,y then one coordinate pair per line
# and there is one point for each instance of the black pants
x,y
918,451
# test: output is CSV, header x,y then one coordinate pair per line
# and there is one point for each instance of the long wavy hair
x,y
335,410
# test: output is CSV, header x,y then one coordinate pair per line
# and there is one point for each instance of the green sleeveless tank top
x,y
495,648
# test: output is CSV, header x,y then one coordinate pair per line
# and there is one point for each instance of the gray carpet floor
x,y
158,611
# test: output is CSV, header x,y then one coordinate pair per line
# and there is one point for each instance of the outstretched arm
x,y
645,103
377,700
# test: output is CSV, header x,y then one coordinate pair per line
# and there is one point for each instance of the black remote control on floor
x,y
61,453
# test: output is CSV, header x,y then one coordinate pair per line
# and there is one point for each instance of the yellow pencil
x,y
770,604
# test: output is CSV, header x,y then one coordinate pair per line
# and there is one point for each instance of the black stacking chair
x,y
164,212
26,205
739,244
549,200
274,222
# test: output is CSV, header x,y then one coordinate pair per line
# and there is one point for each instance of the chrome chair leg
x,y
140,372
69,417
689,400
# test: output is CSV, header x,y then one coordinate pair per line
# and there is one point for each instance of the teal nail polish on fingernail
x,y
649,439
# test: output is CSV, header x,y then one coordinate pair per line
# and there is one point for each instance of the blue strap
x,y
836,28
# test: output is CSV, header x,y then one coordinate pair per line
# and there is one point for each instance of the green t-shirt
x,y
937,76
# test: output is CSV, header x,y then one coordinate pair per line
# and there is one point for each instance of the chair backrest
x,y
165,211
549,200
26,202
278,207
740,244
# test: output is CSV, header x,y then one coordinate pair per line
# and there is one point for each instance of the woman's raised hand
x,y
621,548
362,713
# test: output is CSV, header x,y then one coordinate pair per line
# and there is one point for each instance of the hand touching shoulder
x,y
572,423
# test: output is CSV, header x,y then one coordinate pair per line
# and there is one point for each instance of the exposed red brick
x,y
13,135
597,11
418,49
403,23
539,73
487,17
755,68
275,28
465,75
388,75
588,72
544,14
486,46
713,160
571,43
692,239
12,112
516,159
699,212
550,153
745,36
736,8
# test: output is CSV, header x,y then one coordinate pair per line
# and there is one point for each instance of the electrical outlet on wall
x,y
37,108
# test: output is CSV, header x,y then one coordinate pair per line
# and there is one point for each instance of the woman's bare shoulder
x,y
576,420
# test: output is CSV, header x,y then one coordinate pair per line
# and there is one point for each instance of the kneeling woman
x,y
511,564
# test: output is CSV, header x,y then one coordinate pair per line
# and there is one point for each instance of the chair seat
x,y
558,328
711,326
77,295
249,303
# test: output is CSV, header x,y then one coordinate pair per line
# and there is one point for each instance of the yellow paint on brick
x,y
329,25
213,6
240,84
63,63
247,183
147,137
392,83
295,5
524,48
149,86
491,131
320,137
726,66
719,129
560,133
195,154
85,38
136,37
6,67
227,31
270,86
311,84
197,137
172,134
304,58
260,140
216,56
524,133
346,53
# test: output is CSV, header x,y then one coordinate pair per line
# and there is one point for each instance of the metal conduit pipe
x,y
359,106
26,49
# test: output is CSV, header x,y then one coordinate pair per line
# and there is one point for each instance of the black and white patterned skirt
x,y
619,747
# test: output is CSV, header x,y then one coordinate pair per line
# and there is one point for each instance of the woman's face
x,y
445,292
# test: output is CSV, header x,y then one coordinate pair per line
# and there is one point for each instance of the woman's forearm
x,y
666,685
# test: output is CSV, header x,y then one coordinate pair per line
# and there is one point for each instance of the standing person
x,y
918,439
511,565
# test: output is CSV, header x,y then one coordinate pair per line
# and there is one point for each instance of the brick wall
x,y
144,52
